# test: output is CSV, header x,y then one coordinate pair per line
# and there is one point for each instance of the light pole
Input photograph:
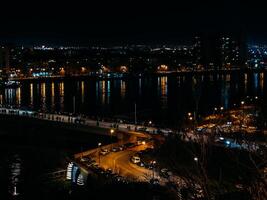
x,y
135,120
74,105
99,145
243,114
111,132
153,165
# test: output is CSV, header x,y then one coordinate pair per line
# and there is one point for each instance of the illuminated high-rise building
x,y
219,51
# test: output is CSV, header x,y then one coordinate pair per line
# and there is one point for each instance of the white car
x,y
135,159
104,152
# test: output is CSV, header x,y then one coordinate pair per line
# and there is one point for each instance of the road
x,y
119,162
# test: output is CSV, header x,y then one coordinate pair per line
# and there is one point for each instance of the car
x,y
118,178
141,164
142,129
84,159
129,145
154,181
165,173
104,152
115,149
140,142
94,165
135,159
120,148
90,163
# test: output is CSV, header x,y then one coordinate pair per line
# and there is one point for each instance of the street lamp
x,y
111,132
196,159
243,114
221,108
99,145
153,165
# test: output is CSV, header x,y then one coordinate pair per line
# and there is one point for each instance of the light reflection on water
x,y
61,96
153,94
15,175
261,82
163,90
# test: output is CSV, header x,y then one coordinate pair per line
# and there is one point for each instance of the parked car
x,y
84,159
165,173
104,152
115,149
135,159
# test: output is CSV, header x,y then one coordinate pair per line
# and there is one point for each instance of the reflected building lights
x,y
261,82
82,91
52,96
163,90
225,93
102,91
256,82
123,88
31,94
245,82
10,95
18,96
140,86
108,91
43,96
1,99
228,77
97,91
61,96
14,176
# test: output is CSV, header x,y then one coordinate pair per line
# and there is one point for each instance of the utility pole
x,y
135,120
111,132
74,105
99,144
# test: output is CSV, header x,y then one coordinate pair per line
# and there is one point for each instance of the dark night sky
x,y
129,21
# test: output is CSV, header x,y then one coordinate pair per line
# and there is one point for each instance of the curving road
x,y
120,163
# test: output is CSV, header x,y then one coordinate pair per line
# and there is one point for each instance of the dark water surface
x,y
164,100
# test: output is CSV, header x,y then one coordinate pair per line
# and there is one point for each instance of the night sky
x,y
129,21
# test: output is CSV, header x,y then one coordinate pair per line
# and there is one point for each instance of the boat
x,y
11,84
5,82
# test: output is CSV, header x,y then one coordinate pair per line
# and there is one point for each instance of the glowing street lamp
x,y
111,132
99,145
242,102
83,69
221,108
153,165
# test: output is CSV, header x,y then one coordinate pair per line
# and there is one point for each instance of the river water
x,y
164,100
